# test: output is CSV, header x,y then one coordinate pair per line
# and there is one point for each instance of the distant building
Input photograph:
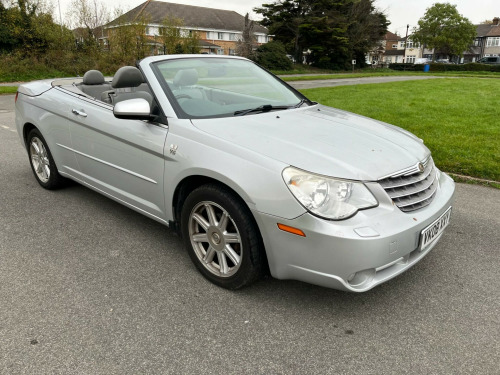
x,y
219,30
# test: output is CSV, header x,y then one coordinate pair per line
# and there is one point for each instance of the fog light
x,y
362,277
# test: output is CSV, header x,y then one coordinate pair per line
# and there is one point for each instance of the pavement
x,y
88,286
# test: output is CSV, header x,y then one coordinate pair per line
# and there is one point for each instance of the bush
x,y
470,67
272,55
406,66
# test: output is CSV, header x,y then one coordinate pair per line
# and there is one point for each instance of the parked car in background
x,y
490,60
422,60
252,174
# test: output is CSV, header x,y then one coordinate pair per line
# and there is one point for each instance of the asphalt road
x,y
354,81
88,286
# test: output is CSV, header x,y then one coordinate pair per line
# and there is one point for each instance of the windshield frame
x,y
181,114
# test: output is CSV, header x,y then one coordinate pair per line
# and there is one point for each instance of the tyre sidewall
x,y
54,179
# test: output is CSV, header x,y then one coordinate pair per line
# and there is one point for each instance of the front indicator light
x,y
292,230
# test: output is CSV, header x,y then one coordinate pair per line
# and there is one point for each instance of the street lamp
x,y
406,42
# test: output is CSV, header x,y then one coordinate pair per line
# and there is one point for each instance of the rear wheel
x,y
221,237
42,163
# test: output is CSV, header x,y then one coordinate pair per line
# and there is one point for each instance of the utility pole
x,y
406,42
60,17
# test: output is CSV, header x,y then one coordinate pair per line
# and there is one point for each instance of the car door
x,y
121,158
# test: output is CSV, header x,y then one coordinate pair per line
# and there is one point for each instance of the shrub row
x,y
471,67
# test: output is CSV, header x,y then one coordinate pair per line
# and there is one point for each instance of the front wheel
x,y
42,163
221,237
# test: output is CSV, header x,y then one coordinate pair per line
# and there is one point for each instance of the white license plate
x,y
433,231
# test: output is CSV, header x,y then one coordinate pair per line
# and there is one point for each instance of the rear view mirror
x,y
133,109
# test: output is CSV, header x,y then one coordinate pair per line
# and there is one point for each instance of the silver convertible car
x,y
255,177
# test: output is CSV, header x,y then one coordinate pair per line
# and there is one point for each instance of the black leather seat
x,y
125,85
93,84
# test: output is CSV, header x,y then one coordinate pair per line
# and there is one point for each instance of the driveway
x,y
88,286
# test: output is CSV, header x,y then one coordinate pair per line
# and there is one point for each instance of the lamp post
x,y
406,42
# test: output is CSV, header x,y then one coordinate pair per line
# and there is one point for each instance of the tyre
x,y
42,163
221,237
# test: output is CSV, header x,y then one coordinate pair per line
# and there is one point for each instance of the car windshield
x,y
206,87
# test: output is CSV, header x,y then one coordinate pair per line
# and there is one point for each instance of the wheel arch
x,y
192,182
27,127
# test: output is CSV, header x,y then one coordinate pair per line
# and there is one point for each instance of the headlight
x,y
328,197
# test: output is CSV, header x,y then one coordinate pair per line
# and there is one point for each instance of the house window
x,y
232,36
394,46
220,36
410,59
493,41
232,52
411,44
477,42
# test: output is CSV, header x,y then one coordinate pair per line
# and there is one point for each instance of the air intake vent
x,y
412,189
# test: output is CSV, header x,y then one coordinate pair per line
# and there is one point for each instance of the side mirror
x,y
133,109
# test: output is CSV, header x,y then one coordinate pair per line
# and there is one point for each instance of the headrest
x,y
93,77
127,76
186,77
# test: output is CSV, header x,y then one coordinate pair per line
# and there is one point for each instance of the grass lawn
x,y
459,119
8,90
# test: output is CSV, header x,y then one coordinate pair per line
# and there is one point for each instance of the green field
x,y
8,90
459,119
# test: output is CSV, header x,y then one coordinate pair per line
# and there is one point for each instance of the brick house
x,y
387,51
219,30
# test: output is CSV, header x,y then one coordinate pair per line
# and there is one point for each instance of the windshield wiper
x,y
262,108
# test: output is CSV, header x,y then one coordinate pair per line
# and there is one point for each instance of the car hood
x,y
323,140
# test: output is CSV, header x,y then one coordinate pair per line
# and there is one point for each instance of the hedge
x,y
447,67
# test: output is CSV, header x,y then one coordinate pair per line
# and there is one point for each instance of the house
x,y
387,51
486,44
219,30
392,54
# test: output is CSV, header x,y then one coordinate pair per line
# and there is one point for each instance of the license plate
x,y
433,231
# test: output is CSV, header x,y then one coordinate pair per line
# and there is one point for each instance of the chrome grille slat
x,y
414,188
395,182
416,198
414,191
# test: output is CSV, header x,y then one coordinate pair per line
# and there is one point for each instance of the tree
x,y
335,31
170,34
246,45
284,20
90,15
26,26
442,28
192,42
272,55
176,40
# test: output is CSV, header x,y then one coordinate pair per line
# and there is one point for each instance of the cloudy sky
x,y
400,12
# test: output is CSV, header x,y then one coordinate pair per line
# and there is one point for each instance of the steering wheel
x,y
183,96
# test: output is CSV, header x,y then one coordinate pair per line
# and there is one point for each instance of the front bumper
x,y
354,254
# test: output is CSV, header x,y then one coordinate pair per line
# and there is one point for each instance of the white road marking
x,y
5,127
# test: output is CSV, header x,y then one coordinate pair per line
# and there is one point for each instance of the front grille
x,y
411,189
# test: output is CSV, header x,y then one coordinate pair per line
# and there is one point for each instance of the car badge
x,y
173,149
421,167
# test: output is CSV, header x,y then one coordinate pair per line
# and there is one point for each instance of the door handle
x,y
79,113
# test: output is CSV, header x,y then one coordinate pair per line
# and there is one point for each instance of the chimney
x,y
496,21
